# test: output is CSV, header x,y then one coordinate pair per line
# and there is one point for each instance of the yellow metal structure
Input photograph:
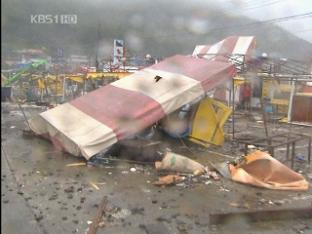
x,y
101,75
75,78
239,80
208,123
280,96
3,79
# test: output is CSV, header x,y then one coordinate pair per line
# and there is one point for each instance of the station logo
x,y
53,19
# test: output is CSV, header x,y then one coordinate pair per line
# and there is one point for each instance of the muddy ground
x,y
40,194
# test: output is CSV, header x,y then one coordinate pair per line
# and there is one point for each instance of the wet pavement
x,y
40,194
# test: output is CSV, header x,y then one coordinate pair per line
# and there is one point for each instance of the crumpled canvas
x,y
262,170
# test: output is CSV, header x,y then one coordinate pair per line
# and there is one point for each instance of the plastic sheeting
x,y
262,170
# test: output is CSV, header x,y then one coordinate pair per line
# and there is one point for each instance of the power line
x,y
305,30
258,23
263,5
276,20
254,6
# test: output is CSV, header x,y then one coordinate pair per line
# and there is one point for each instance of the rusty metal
x,y
270,143
261,215
233,111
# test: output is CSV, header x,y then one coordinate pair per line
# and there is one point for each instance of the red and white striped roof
x,y
92,123
234,45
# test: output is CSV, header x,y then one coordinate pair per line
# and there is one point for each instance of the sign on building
x,y
118,51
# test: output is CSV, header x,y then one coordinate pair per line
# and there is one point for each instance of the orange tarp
x,y
262,170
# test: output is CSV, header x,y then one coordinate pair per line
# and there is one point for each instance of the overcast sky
x,y
270,9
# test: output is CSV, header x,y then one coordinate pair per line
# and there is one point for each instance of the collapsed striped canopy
x,y
92,123
234,45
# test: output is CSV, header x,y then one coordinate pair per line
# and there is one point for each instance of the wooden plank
x,y
100,212
302,109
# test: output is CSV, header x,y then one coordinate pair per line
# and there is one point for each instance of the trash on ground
x,y
223,189
214,175
240,205
223,169
121,213
94,186
132,169
101,183
76,164
169,180
179,163
262,170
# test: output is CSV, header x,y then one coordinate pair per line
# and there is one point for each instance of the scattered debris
x,y
223,169
76,164
132,169
169,180
214,175
279,202
121,213
251,147
222,189
239,205
94,186
179,163
101,224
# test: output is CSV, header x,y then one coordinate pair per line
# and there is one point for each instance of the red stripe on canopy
x,y
125,112
209,73
227,48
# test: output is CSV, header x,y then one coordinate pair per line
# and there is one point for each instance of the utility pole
x,y
97,48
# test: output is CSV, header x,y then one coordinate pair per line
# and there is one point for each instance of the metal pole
x,y
309,150
233,109
64,80
264,119
293,148
291,101
23,114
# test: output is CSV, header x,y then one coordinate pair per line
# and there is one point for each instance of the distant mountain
x,y
155,27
